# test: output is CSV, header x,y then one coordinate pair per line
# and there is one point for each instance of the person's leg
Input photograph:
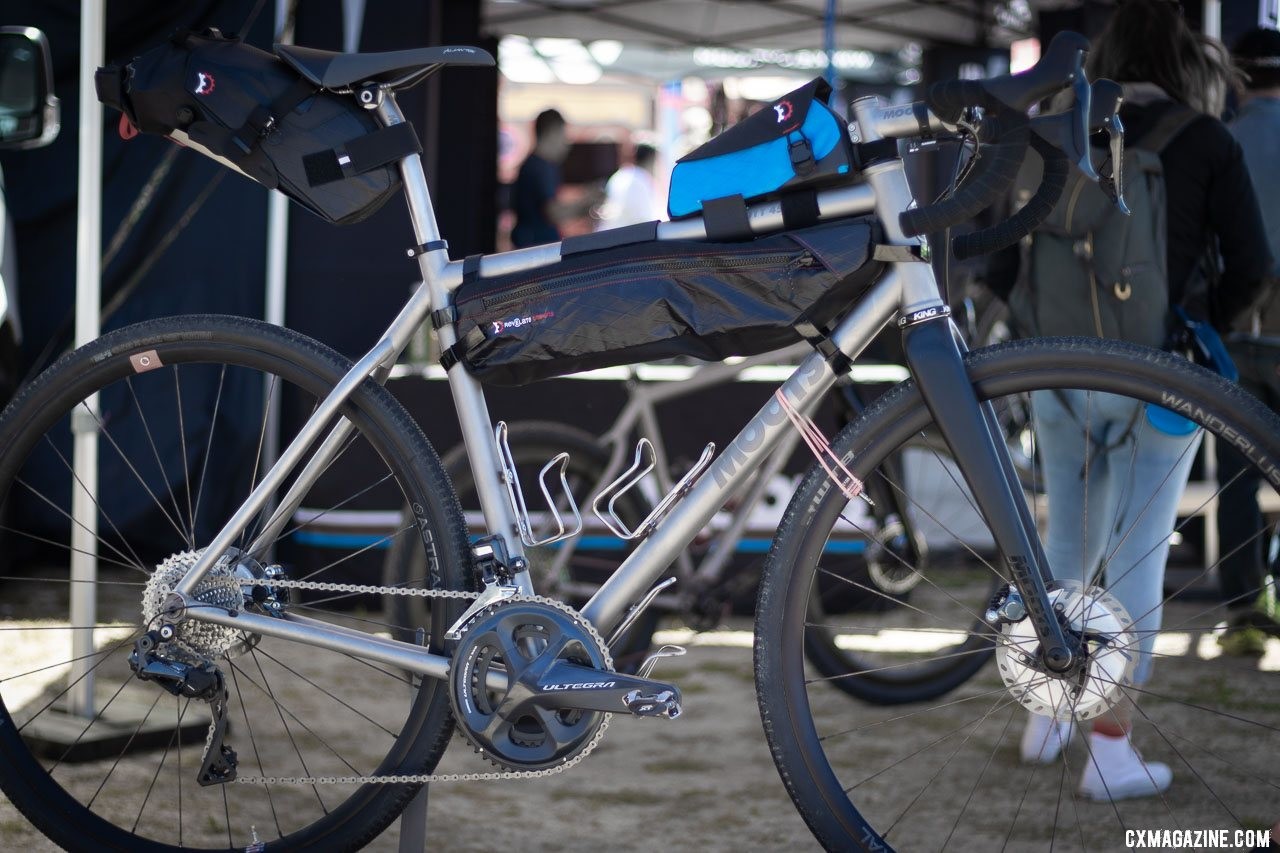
x,y
1149,468
1068,430
1076,530
1151,472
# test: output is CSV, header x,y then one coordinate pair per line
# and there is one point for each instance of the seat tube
x,y
468,396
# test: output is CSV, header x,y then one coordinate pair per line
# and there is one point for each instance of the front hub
x,y
1108,650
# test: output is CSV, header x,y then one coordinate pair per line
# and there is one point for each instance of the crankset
x,y
532,682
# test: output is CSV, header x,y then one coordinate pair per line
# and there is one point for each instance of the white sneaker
x,y
1115,771
1043,739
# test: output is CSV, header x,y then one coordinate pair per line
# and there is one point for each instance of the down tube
x,y
812,379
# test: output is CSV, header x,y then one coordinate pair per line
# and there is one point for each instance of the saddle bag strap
x,y
363,154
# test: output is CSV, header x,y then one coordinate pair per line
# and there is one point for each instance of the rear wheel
x,y
98,759
946,770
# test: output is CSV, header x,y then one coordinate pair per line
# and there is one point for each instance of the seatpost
x,y
439,275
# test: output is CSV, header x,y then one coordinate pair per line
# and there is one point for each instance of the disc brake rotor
x,y
1110,646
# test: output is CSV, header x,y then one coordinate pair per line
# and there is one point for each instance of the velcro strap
x,y
363,154
451,356
423,248
610,238
726,218
817,338
921,113
471,267
800,209
867,153
263,118
898,254
442,317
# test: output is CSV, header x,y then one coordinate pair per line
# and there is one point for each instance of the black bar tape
x,y
996,171
1056,169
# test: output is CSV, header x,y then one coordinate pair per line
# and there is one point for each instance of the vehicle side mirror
x,y
29,111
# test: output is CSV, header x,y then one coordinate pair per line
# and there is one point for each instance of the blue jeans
x,y
1121,518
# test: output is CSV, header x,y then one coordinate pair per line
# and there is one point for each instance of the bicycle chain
x,y
418,778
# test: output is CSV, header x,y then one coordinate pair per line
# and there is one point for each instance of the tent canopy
x,y
877,25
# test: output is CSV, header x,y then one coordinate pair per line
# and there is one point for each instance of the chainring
x,y
510,728
1110,645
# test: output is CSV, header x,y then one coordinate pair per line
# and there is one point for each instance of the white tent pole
x,y
1213,18
84,428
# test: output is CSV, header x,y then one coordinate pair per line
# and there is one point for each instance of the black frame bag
x,y
249,110
663,299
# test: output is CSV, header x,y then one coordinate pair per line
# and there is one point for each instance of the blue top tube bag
x,y
794,142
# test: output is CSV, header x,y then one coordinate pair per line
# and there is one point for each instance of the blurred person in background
x,y
533,196
1248,586
630,195
1162,65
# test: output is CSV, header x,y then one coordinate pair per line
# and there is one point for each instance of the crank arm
x,y
581,688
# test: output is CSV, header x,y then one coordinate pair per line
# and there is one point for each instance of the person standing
x,y
629,194
533,196
1102,445
1247,585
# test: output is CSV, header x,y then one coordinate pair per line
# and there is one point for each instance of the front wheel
x,y
946,771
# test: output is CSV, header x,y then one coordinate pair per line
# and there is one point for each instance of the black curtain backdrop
x,y
345,284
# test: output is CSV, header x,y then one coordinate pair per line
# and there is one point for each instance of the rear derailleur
x,y
201,681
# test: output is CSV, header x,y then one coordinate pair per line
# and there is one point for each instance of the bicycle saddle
x,y
333,70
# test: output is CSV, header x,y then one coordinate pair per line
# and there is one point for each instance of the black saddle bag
x,y
663,299
249,110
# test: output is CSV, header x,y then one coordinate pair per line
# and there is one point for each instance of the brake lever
x,y
1113,186
1081,117
1069,130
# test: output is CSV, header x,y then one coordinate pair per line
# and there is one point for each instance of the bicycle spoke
x,y
155,454
182,444
208,447
978,781
326,692
257,755
137,563
124,750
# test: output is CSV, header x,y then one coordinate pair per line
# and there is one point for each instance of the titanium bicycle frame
x,y
908,290
638,417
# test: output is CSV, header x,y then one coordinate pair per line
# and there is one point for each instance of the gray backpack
x,y
1090,270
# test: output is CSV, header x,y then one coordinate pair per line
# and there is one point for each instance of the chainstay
x,y
419,778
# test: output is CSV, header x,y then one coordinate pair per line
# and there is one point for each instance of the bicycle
x,y
223,636
887,548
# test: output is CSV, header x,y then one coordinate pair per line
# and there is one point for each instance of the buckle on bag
x,y
801,155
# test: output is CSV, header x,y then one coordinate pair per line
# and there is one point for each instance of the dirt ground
x,y
706,781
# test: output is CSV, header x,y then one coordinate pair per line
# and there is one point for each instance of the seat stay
x,y
333,70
